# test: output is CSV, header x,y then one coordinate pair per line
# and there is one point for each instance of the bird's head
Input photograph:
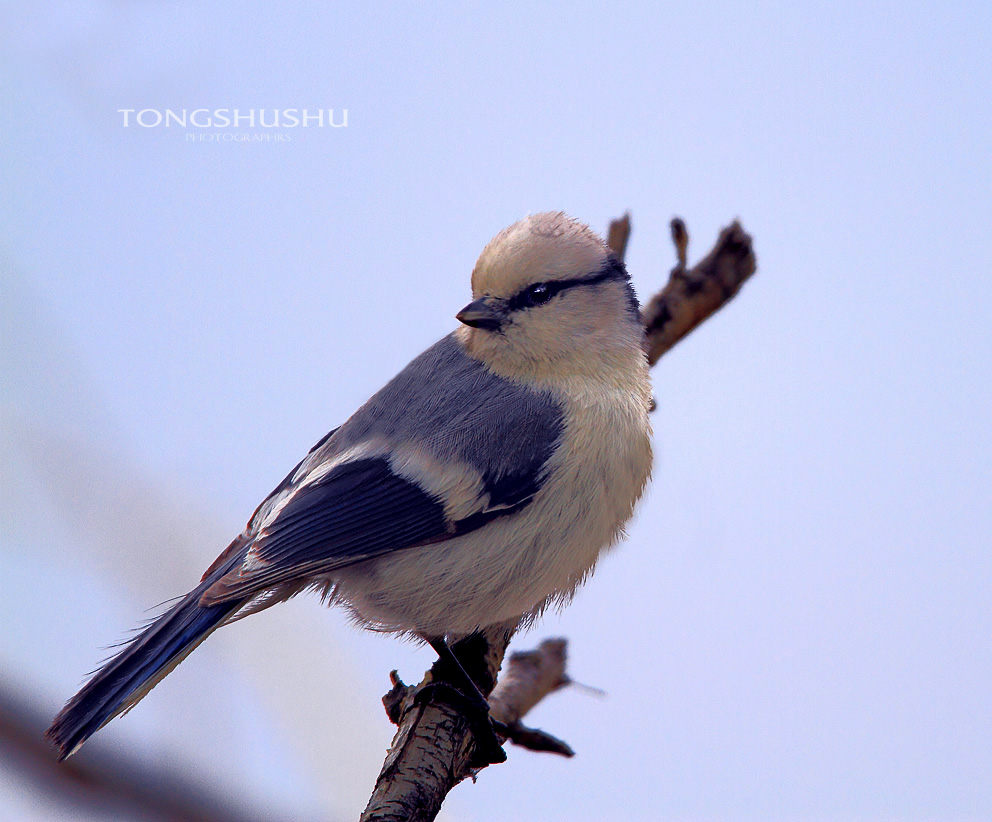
x,y
550,298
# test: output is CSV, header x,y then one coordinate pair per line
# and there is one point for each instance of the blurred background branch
x,y
106,783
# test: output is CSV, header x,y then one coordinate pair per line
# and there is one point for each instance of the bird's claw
x,y
485,730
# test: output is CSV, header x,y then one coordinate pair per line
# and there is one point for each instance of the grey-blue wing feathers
x,y
336,509
359,510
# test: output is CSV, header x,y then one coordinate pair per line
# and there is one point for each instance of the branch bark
x,y
433,747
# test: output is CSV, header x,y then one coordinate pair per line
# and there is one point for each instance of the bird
x,y
476,489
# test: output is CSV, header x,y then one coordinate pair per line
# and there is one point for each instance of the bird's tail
x,y
141,665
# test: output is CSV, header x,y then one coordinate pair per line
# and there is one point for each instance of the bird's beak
x,y
485,312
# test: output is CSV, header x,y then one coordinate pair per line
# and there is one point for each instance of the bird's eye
x,y
538,294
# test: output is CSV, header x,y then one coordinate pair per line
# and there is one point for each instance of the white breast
x,y
515,567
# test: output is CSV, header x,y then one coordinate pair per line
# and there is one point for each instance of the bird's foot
x,y
485,730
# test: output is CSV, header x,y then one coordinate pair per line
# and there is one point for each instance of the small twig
x,y
618,234
393,700
530,676
693,295
680,236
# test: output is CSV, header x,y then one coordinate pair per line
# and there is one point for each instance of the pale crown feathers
x,y
564,305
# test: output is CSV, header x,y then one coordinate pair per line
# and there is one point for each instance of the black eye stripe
x,y
524,297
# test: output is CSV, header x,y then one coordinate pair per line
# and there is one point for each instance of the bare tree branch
x,y
530,676
433,748
693,295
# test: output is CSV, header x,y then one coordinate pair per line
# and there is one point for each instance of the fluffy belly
x,y
514,567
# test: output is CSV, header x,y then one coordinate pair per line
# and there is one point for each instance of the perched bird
x,y
475,489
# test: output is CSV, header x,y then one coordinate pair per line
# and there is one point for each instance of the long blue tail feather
x,y
123,680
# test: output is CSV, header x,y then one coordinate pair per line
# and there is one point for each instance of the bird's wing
x,y
357,510
439,452
239,542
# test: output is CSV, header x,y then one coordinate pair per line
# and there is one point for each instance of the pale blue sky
x,y
799,625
